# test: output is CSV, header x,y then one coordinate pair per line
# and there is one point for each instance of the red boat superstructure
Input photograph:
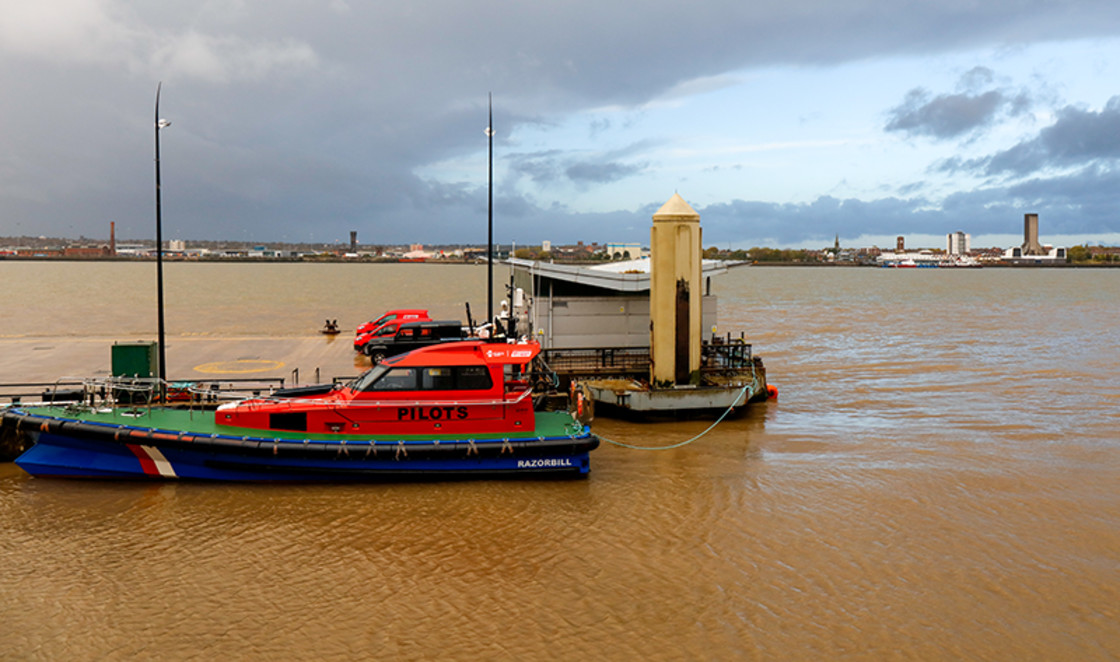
x,y
459,388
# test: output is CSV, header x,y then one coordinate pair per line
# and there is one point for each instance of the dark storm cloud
x,y
293,119
948,116
944,116
1078,138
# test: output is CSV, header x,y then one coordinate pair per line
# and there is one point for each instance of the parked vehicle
x,y
413,335
387,325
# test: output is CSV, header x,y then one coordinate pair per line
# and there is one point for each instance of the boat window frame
x,y
483,380
459,380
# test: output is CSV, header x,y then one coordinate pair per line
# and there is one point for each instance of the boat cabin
x,y
468,387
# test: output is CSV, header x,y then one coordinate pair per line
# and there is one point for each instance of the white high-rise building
x,y
959,243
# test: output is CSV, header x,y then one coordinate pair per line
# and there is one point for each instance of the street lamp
x,y
160,124
490,222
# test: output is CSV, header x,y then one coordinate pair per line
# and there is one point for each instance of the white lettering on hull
x,y
544,463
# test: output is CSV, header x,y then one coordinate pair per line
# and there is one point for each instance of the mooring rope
x,y
688,441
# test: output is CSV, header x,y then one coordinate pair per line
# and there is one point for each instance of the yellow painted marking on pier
x,y
239,367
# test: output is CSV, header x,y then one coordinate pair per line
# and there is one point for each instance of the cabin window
x,y
437,379
442,378
395,379
474,377
457,378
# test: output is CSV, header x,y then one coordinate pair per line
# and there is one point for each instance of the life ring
x,y
771,392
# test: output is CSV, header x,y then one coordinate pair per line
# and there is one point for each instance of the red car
x,y
387,325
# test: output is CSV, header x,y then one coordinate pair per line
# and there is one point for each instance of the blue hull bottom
x,y
111,444
56,455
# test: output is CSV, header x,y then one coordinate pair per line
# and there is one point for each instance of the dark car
x,y
413,335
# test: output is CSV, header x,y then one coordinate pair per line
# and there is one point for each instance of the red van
x,y
387,325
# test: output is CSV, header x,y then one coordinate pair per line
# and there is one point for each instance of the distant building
x,y
624,251
133,249
1030,236
86,251
1031,252
959,243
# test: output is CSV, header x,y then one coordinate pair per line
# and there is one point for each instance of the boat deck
x,y
200,422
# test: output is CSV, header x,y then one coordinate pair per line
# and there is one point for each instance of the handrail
x,y
362,404
104,386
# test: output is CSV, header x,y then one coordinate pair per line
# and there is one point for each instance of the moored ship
x,y
452,410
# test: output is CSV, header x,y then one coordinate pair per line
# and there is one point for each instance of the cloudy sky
x,y
783,122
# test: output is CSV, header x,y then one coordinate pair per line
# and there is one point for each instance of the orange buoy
x,y
771,392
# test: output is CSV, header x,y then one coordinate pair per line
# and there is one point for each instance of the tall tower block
x,y
675,292
1030,235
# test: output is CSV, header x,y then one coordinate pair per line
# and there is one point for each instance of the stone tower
x,y
1030,235
675,292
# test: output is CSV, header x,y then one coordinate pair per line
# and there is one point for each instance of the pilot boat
x,y
452,410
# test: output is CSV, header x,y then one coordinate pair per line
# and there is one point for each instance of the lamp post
x,y
160,124
490,221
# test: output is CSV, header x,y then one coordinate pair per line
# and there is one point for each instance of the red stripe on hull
x,y
146,462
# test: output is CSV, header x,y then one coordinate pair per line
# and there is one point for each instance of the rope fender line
x,y
687,441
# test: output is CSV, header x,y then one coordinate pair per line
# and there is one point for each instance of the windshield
x,y
366,379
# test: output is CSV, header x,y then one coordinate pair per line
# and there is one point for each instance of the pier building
x,y
640,335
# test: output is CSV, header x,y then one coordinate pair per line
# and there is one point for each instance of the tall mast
x,y
159,254
490,220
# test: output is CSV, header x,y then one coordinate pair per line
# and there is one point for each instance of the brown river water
x,y
938,480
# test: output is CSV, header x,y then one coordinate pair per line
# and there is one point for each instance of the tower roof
x,y
676,209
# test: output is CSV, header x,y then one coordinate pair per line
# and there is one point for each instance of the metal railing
x,y
721,358
137,390
597,360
